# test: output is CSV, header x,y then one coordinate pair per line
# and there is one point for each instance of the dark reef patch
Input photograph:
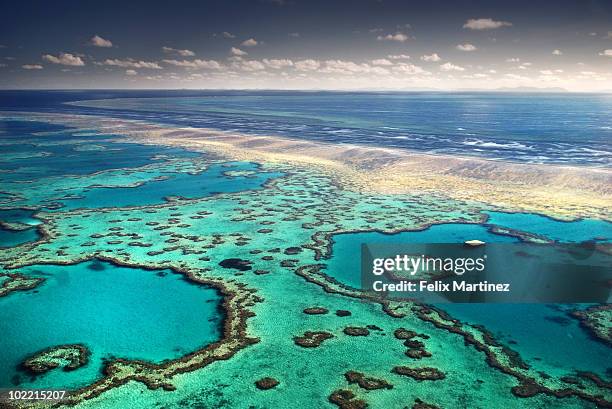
x,y
416,349
346,399
236,263
315,310
70,356
419,404
312,339
366,382
593,320
266,383
18,282
356,331
420,374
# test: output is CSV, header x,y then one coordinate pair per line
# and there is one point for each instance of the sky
x,y
307,44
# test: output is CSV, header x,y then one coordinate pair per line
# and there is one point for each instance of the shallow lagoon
x,y
10,238
571,232
530,329
211,181
115,311
38,149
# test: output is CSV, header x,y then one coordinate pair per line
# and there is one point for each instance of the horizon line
x,y
551,90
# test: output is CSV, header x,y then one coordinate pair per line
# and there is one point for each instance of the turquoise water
x,y
345,263
18,215
34,151
571,232
530,329
115,311
131,313
545,337
10,238
206,183
187,185
37,149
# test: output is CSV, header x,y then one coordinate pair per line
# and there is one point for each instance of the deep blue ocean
x,y
523,127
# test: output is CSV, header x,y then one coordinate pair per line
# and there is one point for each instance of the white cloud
x,y
307,65
516,77
250,65
98,41
294,35
466,47
204,64
398,57
606,53
546,72
195,76
513,59
227,34
182,53
131,63
277,63
251,42
350,67
400,37
557,52
32,67
451,67
381,61
131,72
431,58
237,51
410,69
608,36
379,71
64,59
343,67
485,24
